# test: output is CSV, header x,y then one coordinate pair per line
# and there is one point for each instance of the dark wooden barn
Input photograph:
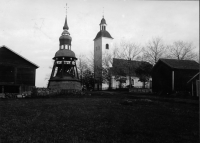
x,y
17,74
170,75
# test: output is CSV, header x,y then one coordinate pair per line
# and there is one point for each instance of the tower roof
x,y
103,21
103,33
65,53
65,37
65,25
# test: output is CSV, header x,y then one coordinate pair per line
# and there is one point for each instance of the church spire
x,y
65,25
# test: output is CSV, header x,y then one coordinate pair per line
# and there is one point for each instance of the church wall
x,y
104,42
134,80
98,57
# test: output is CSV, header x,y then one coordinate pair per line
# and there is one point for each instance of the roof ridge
x,y
180,64
19,55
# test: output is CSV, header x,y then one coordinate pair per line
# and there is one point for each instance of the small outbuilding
x,y
17,74
171,75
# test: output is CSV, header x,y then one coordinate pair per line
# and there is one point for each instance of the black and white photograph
x,y
99,71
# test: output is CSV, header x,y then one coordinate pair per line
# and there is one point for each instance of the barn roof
x,y
180,64
122,67
19,56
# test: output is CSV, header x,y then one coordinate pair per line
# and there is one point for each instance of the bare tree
x,y
126,50
154,50
182,51
129,50
107,61
90,61
81,65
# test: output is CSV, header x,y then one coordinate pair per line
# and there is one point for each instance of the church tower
x,y
102,43
64,73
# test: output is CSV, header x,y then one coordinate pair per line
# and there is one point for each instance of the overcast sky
x,y
32,27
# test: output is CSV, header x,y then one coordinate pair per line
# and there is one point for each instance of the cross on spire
x,y
66,8
103,12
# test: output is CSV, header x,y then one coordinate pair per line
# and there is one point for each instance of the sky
x,y
32,28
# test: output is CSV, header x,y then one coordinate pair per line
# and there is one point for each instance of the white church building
x,y
123,74
102,43
121,70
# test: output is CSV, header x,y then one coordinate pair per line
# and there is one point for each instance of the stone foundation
x,y
140,90
75,85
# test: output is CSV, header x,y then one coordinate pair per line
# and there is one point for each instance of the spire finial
x,y
65,25
103,12
66,9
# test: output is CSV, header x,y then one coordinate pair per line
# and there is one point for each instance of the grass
x,y
99,119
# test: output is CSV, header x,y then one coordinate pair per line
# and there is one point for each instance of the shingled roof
x,y
122,67
180,64
103,33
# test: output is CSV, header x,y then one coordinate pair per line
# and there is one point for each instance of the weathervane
x,y
103,12
66,8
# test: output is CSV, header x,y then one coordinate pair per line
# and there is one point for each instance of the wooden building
x,y
171,75
193,85
17,74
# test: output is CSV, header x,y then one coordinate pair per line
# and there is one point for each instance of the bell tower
x,y
64,73
102,44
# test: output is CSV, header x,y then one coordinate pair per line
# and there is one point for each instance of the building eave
x,y
20,56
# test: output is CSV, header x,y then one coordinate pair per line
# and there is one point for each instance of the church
x,y
102,45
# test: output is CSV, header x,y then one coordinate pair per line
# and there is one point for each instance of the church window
x,y
62,47
107,46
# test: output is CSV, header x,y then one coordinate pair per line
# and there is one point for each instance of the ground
x,y
100,117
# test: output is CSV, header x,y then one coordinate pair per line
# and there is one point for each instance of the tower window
x,y
107,46
132,81
62,47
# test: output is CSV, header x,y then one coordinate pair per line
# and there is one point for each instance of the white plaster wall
x,y
115,84
107,41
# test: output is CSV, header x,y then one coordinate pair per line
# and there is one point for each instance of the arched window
x,y
107,46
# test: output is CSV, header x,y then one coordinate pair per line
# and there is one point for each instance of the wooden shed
x,y
171,75
17,74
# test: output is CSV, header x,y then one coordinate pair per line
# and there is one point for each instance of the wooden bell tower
x,y
64,73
